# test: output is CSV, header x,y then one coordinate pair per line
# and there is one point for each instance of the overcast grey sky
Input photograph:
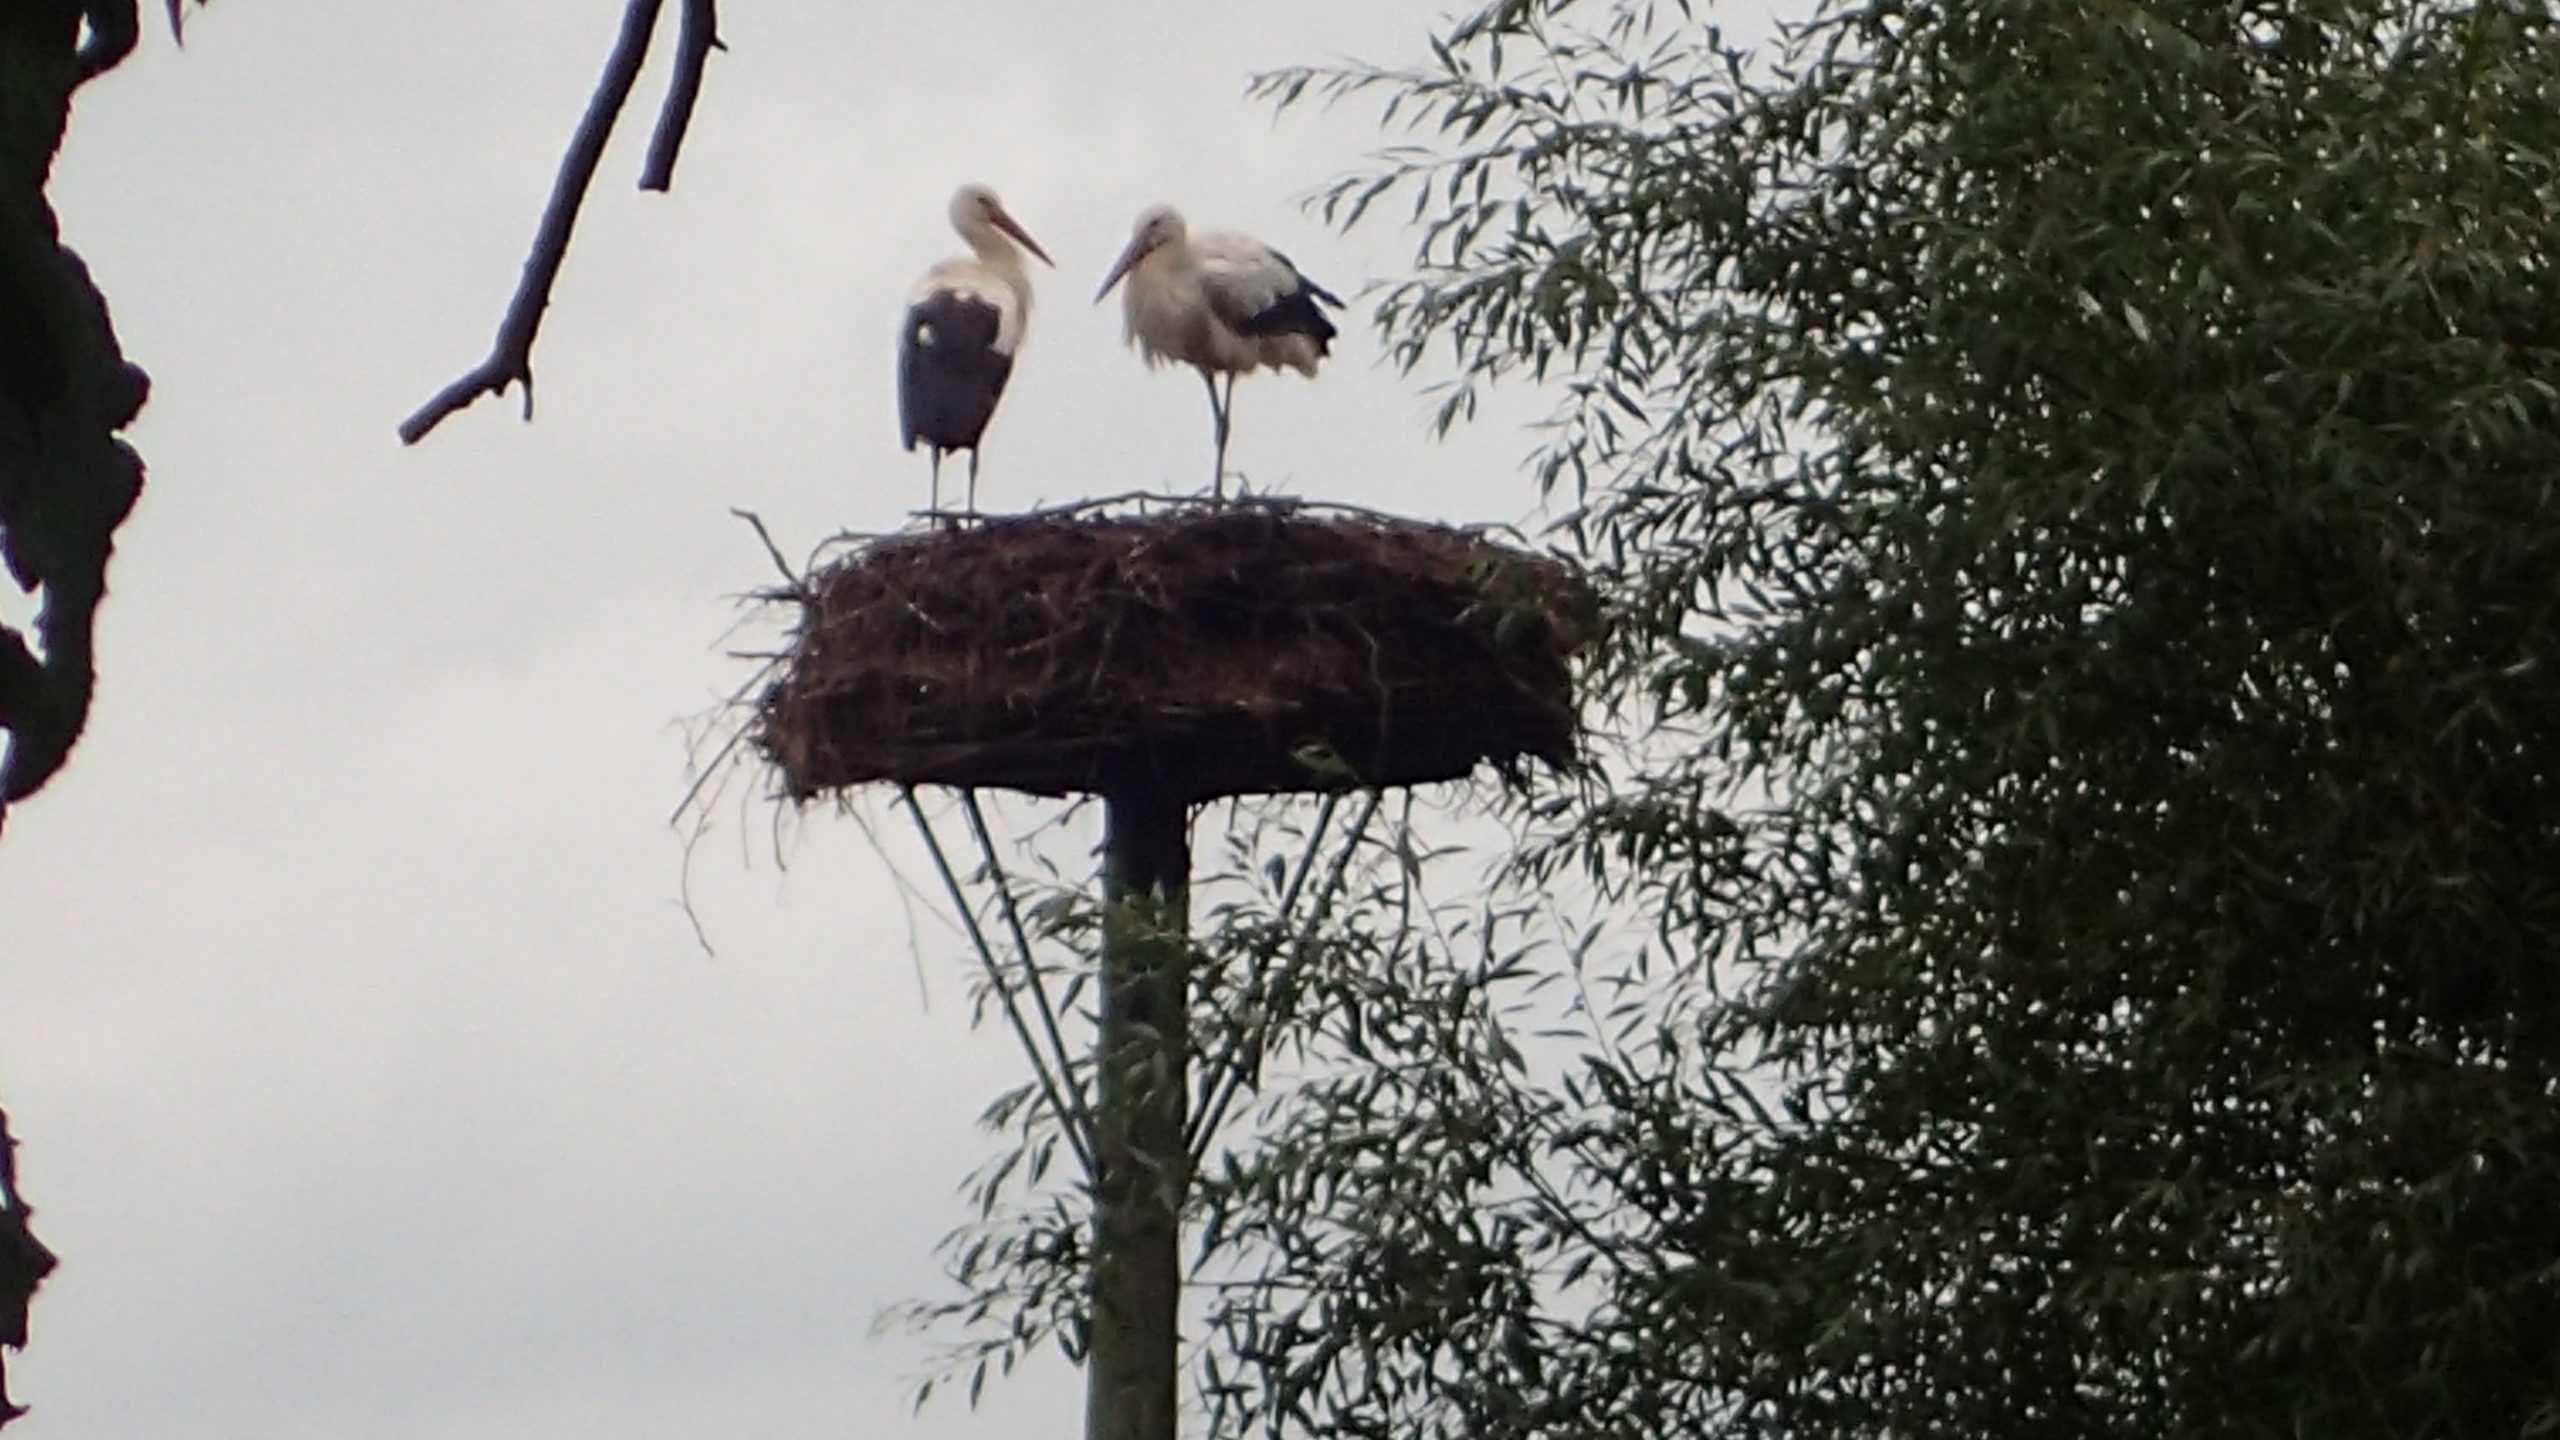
x,y
370,1077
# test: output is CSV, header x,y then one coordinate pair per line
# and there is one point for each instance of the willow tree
x,y
2081,483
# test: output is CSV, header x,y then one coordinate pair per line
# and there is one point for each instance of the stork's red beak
x,y
1127,262
1012,227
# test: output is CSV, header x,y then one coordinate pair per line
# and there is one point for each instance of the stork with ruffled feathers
x,y
964,325
1222,303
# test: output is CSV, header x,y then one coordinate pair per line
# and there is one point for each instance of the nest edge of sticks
x,y
1193,650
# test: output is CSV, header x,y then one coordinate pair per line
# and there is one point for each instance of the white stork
x,y
1220,302
964,323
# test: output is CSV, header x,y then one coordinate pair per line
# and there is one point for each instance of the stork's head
x,y
979,216
1157,227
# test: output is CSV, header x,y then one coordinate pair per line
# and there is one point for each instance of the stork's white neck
x,y
997,250
1003,262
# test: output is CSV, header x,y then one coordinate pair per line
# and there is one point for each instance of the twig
x,y
697,35
510,359
795,585
1282,505
743,698
1049,1087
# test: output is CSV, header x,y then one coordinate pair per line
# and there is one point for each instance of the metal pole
x,y
1142,1090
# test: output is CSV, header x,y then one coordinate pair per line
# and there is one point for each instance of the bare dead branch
x,y
697,35
795,586
510,359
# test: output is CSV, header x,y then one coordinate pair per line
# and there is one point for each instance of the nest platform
x,y
1196,652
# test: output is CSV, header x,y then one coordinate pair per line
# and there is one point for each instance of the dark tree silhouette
x,y
2076,482
510,359
66,479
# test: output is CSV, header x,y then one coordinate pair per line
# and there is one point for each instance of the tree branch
x,y
510,359
697,35
115,27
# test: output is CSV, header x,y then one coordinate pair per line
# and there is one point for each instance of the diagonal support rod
x,y
1053,1088
1048,1010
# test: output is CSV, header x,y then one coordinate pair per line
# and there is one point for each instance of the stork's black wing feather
x,y
1295,313
1310,286
950,373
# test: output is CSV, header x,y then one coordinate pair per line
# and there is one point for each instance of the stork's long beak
x,y
1128,261
1013,227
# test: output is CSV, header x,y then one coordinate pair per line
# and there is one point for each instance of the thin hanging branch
x,y
697,35
1068,1121
1218,1090
510,359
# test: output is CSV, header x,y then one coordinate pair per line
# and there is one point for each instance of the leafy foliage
x,y
2077,484
1352,1047
2085,474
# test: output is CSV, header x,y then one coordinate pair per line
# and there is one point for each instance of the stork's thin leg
x,y
1218,428
1226,427
973,479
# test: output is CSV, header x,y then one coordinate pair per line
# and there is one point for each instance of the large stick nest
x,y
1197,652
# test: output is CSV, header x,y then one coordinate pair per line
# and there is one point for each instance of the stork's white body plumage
x,y
964,325
1222,303
1006,290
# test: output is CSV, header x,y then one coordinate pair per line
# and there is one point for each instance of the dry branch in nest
x,y
1199,652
